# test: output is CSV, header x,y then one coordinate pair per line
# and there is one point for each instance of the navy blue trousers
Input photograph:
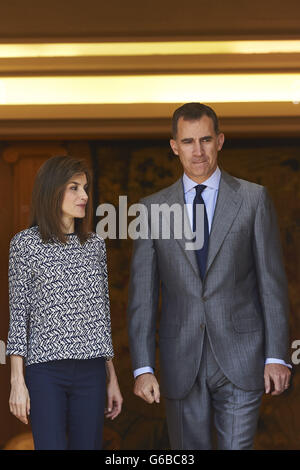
x,y
67,401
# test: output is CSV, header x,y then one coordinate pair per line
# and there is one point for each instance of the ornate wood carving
x,y
26,160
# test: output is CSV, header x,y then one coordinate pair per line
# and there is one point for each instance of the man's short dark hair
x,y
192,112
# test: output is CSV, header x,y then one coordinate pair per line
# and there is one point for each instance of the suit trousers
x,y
67,400
213,399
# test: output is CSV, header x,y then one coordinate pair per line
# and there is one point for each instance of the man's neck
x,y
202,180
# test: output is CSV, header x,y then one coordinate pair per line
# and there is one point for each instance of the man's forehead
x,y
204,124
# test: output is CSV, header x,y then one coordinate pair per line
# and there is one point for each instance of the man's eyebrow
x,y
201,138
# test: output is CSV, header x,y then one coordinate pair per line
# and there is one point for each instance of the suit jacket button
x,y
202,326
204,298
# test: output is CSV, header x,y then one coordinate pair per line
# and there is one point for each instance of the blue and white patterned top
x,y
58,298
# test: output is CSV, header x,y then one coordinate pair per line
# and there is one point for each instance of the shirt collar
x,y
212,182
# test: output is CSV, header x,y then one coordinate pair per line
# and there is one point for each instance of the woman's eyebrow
x,y
76,182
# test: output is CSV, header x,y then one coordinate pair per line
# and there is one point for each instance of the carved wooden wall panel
x,y
26,160
137,168
18,166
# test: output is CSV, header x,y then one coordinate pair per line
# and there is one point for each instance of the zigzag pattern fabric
x,y
58,298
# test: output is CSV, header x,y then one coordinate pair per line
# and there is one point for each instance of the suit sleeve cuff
x,y
142,370
271,360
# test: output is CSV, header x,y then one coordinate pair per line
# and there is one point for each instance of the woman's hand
x,y
19,401
114,397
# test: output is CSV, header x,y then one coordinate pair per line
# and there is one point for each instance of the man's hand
x,y
277,378
147,388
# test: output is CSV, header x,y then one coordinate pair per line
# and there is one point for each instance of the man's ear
x,y
173,144
221,138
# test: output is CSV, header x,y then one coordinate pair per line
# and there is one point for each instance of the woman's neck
x,y
68,226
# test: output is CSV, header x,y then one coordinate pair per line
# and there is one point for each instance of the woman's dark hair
x,y
47,197
192,112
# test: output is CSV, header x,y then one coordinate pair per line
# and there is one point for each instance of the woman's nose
x,y
83,195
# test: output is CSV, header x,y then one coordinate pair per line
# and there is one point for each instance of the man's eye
x,y
74,187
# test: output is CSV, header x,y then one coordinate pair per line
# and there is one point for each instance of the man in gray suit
x,y
223,329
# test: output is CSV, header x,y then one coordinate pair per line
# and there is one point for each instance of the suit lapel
x,y
227,207
228,204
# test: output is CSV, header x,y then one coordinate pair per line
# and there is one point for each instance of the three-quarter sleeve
x,y
19,276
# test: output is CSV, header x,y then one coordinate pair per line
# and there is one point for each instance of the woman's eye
x,y
74,187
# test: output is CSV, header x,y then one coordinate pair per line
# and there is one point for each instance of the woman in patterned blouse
x,y
60,315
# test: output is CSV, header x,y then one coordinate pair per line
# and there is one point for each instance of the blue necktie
x,y
201,255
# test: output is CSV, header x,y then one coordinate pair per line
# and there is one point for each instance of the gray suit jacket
x,y
242,301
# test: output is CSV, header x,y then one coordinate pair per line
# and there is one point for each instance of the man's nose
x,y
198,148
